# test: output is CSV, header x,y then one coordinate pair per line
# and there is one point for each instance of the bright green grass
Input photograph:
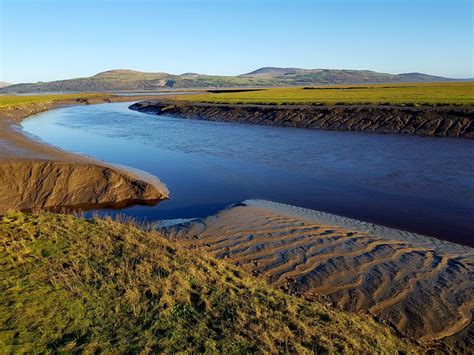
x,y
71,285
430,94
20,100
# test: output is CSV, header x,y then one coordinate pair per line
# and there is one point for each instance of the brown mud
x,y
424,121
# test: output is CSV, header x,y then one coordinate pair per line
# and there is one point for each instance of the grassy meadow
x,y
429,94
7,101
74,285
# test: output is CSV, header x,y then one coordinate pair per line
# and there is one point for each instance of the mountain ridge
x,y
133,80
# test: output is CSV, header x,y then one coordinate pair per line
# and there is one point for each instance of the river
x,y
418,184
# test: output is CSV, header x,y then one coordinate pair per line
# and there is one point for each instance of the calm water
x,y
425,185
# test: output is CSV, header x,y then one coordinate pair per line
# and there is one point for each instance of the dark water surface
x,y
424,185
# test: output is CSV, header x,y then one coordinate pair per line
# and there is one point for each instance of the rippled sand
x,y
423,286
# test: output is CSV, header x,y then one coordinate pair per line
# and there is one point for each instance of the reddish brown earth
x,y
424,121
34,175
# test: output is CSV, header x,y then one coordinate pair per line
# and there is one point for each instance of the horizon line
x,y
230,75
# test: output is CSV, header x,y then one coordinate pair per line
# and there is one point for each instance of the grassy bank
x,y
430,94
18,107
70,284
15,108
7,101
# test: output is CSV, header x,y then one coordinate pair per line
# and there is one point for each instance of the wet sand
x,y
422,286
34,175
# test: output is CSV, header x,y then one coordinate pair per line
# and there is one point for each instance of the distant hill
x,y
3,84
337,76
275,71
130,80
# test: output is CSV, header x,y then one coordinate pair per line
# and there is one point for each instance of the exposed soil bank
x,y
34,175
34,184
420,285
424,121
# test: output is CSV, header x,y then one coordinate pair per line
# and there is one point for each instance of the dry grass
x,y
426,94
70,284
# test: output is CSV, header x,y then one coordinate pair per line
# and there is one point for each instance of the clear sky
x,y
46,40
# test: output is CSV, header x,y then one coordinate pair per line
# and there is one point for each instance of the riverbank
x,y
419,285
96,285
449,121
34,175
366,268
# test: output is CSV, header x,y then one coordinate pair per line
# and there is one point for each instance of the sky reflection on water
x,y
425,185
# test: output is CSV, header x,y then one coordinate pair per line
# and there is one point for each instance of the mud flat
x,y
34,175
447,121
423,287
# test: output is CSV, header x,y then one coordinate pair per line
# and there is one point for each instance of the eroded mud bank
x,y
34,175
423,121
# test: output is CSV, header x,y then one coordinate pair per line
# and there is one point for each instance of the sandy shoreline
x,y
329,219
421,286
35,175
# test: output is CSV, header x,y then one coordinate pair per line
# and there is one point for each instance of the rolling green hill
x,y
129,80
75,285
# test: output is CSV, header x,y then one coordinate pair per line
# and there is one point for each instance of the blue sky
x,y
53,39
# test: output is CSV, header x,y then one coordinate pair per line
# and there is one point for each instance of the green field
x,y
74,285
430,94
14,100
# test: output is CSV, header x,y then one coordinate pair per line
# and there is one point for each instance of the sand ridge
x,y
422,286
